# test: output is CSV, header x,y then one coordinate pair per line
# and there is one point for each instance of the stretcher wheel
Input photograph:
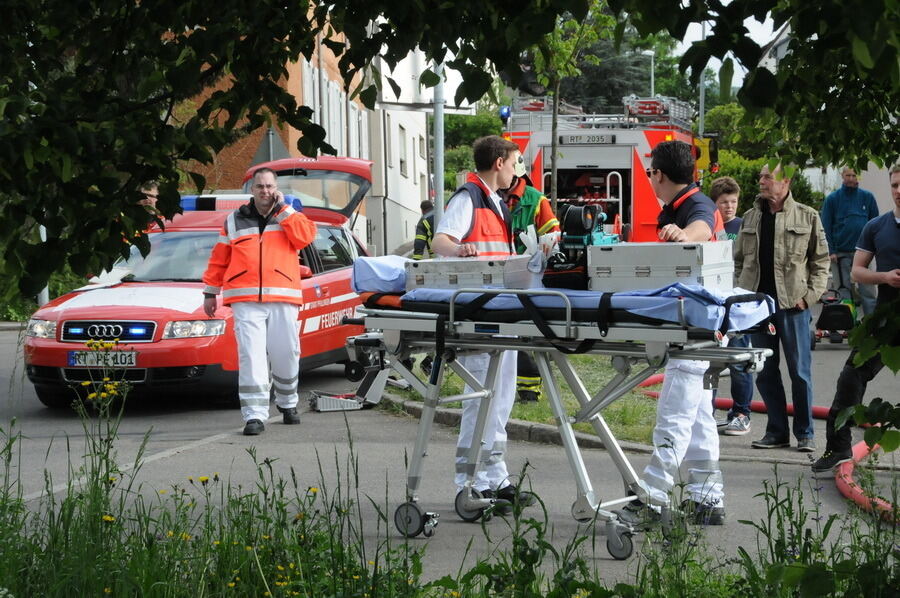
x,y
409,519
354,371
468,515
581,518
620,546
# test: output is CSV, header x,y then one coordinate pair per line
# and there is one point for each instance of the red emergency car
x,y
166,343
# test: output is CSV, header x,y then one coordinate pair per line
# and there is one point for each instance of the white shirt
x,y
457,219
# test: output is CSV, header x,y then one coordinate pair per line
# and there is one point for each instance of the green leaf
x,y
890,357
429,78
793,573
890,440
844,416
861,53
873,435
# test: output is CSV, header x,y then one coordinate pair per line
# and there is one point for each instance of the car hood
x,y
126,300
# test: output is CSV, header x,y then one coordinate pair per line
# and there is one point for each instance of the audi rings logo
x,y
105,330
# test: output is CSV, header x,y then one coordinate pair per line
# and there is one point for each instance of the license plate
x,y
103,359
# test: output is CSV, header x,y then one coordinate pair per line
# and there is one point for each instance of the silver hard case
x,y
472,272
631,266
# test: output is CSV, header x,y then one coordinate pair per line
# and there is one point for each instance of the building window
x,y
423,188
402,142
421,146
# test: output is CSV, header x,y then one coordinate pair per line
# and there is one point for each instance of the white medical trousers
x,y
261,329
685,433
492,471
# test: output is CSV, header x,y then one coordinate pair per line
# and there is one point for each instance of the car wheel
x,y
55,398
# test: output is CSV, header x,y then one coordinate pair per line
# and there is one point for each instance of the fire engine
x,y
602,159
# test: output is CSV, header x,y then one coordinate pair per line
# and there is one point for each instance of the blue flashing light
x,y
137,330
189,203
74,330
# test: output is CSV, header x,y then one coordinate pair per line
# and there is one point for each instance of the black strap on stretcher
x,y
604,316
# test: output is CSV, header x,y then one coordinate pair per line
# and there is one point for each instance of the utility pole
x,y
702,89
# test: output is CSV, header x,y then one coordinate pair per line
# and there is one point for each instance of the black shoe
x,y
830,460
769,442
289,415
513,495
703,513
254,427
426,364
528,396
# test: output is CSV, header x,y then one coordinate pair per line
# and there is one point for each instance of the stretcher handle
x,y
745,298
526,292
347,320
367,342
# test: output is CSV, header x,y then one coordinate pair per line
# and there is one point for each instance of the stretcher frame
x,y
393,335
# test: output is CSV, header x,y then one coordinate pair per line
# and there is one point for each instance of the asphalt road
x,y
184,438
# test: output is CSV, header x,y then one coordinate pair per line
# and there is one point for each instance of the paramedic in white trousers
x,y
256,268
477,223
685,432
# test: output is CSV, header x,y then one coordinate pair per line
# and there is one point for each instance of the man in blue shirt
x,y
880,239
844,214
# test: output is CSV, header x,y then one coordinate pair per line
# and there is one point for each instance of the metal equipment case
x,y
631,266
472,272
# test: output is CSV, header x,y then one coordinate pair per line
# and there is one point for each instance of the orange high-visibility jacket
x,y
248,266
491,232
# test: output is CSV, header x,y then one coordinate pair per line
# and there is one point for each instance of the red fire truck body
x,y
602,158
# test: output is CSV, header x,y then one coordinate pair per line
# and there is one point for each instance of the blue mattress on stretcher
x,y
702,308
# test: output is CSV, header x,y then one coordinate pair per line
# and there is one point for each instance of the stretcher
x,y
640,331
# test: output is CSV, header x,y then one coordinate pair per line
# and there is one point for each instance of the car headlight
x,y
194,328
41,329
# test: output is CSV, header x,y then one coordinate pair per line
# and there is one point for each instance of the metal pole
x,y
439,145
652,70
44,296
702,89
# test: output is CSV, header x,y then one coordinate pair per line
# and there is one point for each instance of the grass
x,y
631,417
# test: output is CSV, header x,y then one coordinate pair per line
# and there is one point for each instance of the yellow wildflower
x,y
185,536
203,479
230,584
86,383
93,395
170,533
107,590
163,491
106,378
108,518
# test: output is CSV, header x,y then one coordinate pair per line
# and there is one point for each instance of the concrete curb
x,y
517,429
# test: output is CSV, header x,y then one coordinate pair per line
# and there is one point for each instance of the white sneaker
x,y
738,426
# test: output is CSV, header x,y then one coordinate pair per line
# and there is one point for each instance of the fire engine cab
x,y
602,159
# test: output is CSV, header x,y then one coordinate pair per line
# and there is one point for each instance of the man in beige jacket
x,y
781,250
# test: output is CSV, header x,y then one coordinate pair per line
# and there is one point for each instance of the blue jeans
x,y
741,383
792,330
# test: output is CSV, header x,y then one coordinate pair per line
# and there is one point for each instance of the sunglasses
x,y
651,172
153,195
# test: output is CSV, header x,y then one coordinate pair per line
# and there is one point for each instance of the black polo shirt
x,y
682,210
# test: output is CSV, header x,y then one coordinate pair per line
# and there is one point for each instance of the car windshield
x,y
174,256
